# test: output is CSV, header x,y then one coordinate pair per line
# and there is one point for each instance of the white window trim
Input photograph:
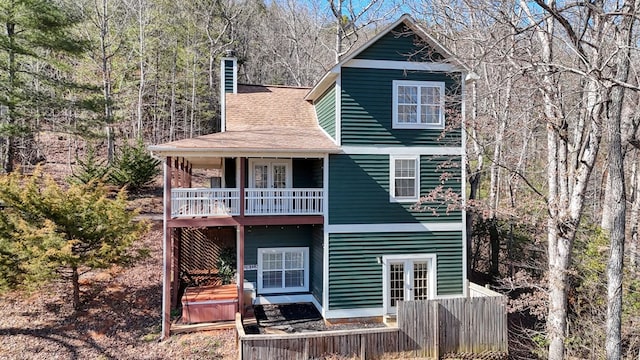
x,y
305,252
392,178
432,262
418,125
271,162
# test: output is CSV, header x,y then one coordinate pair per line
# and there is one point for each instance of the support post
x,y
175,265
240,245
166,253
176,173
243,176
240,270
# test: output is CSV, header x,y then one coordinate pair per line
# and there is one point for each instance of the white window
x,y
418,104
282,270
404,178
408,277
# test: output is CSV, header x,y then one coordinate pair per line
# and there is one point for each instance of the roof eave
x,y
324,83
164,151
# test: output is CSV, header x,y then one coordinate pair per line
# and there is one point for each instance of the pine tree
x,y
35,37
46,230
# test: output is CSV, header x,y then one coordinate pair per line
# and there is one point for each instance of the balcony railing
x,y
186,202
226,202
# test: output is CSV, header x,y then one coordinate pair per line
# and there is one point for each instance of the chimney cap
x,y
229,53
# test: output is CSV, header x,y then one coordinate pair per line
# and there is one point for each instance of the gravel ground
x,y
297,318
120,318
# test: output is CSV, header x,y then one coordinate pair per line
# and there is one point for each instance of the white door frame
x,y
270,163
408,260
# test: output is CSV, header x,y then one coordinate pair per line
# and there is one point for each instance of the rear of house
x,y
348,195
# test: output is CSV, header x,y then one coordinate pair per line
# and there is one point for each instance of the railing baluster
x,y
210,202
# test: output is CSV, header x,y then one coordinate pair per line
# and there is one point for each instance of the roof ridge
x,y
278,86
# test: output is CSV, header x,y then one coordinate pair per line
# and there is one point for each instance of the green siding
x,y
366,109
326,111
359,190
355,277
230,172
316,254
400,44
307,173
228,76
274,237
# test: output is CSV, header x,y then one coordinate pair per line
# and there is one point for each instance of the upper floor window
x,y
418,104
404,178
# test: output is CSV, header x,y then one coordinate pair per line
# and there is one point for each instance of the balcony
x,y
206,202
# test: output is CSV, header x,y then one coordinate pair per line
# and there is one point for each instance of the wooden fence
x,y
474,325
426,329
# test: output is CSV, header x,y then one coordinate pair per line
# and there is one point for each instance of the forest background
x,y
552,165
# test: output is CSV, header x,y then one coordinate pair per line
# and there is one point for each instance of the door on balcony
x,y
266,177
407,277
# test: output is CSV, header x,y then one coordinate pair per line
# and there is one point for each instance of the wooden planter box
x,y
209,303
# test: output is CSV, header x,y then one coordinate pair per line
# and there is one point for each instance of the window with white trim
x,y
282,270
404,178
418,104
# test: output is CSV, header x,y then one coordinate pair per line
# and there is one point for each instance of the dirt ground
x,y
120,319
121,315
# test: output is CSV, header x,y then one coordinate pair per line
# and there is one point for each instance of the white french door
x,y
270,175
407,277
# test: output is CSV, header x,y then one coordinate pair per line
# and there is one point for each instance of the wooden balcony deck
x,y
206,202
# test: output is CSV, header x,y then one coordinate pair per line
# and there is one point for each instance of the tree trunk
x,y
635,214
618,204
75,282
10,152
141,50
106,79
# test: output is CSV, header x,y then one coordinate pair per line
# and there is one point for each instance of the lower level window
x,y
283,270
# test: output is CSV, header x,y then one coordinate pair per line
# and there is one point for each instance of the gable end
x,y
401,44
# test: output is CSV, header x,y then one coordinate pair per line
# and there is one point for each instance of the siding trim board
x,y
410,227
403,150
338,109
402,65
325,239
353,313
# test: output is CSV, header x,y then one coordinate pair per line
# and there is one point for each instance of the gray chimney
x,y
228,82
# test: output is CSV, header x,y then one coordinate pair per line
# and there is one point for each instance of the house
x,y
316,189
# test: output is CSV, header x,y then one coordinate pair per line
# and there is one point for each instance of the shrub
x,y
47,230
134,167
91,169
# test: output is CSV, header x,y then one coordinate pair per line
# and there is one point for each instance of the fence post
x,y
436,328
363,347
